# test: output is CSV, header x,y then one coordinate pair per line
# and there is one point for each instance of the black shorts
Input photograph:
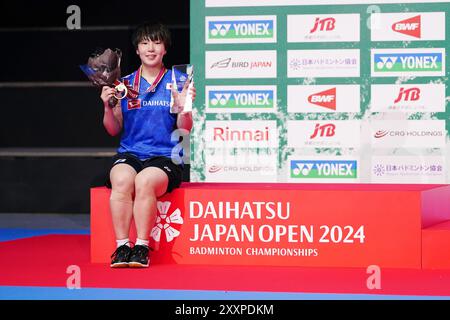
x,y
173,171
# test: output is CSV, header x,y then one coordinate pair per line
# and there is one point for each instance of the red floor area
x,y
43,261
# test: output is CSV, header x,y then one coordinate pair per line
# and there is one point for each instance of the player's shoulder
x,y
129,77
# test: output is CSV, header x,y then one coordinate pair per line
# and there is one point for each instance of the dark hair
x,y
153,32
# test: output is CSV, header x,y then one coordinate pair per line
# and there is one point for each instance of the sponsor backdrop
x,y
320,91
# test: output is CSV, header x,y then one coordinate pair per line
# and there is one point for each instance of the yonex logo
x,y
119,161
164,222
301,169
410,27
219,29
241,98
407,62
386,62
242,29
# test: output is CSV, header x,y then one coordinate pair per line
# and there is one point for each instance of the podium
x,y
309,225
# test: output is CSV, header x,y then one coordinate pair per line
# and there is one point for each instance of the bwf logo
x,y
410,27
165,220
326,99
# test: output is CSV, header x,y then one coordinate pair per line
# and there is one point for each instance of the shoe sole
x,y
119,265
137,265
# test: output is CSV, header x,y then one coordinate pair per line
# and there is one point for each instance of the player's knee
x,y
121,196
123,183
144,187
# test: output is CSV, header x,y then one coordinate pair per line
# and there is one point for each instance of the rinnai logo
x,y
326,99
325,130
241,29
410,27
241,98
326,24
229,135
411,94
164,221
301,169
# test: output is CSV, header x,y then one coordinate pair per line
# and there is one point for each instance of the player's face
x,y
151,52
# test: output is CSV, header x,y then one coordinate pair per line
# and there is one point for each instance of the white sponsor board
x,y
408,98
407,26
323,63
241,64
322,27
408,134
418,62
324,134
241,134
323,169
240,29
225,166
240,99
323,98
408,169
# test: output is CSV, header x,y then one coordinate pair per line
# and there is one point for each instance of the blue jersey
x,y
147,121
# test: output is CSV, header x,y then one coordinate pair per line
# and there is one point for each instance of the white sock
x,y
122,242
140,242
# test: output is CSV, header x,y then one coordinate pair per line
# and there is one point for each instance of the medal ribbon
x,y
137,80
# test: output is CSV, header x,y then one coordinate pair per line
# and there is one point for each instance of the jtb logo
x,y
241,29
410,26
411,94
241,99
301,169
326,24
325,130
326,99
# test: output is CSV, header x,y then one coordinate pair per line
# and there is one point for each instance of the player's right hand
x,y
107,93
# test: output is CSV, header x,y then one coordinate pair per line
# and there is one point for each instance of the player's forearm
x,y
184,121
112,125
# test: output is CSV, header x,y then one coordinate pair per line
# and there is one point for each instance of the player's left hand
x,y
179,98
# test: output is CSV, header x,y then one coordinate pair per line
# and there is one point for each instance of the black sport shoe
x,y
139,257
120,257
